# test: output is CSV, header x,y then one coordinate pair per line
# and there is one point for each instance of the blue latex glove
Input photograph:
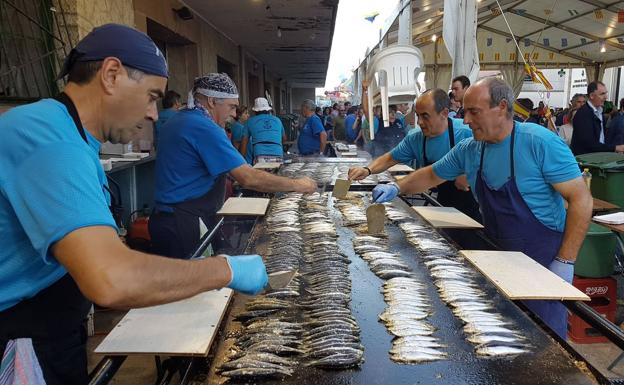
x,y
249,274
385,192
563,270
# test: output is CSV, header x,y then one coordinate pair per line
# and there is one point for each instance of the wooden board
x,y
616,228
600,205
520,277
447,217
400,168
267,165
183,328
245,206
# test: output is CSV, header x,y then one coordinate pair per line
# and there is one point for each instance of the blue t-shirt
x,y
163,116
238,131
351,134
309,138
265,134
541,159
194,152
411,147
51,183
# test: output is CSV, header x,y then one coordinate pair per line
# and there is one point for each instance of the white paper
x,y
612,219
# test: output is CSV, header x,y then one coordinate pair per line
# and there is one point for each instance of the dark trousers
x,y
55,321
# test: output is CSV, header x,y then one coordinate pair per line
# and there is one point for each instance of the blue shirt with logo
x,y
309,137
541,159
411,147
194,152
51,183
265,134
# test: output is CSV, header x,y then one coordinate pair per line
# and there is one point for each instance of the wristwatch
x,y
368,169
563,260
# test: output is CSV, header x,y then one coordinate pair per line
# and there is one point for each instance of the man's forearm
x,y
266,182
419,181
577,222
382,163
147,280
323,139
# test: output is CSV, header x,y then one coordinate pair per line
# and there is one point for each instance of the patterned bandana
x,y
213,85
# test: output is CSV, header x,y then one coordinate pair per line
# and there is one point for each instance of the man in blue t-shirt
x,y
171,104
194,159
351,132
263,135
59,247
312,138
428,145
520,174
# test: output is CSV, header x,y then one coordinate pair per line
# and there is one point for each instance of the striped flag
x,y
527,42
535,55
547,42
573,12
488,42
564,42
512,56
620,16
598,14
497,56
481,56
551,55
583,40
547,12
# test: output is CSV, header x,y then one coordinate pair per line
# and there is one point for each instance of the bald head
x,y
488,109
432,109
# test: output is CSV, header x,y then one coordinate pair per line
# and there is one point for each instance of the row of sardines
x,y
408,305
309,322
327,173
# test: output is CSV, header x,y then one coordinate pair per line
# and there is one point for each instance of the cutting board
x,y
400,168
520,277
447,217
183,328
267,165
245,206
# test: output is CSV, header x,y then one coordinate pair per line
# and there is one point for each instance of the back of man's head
x,y
170,99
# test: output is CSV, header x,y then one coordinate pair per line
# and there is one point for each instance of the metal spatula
x,y
375,218
281,279
341,188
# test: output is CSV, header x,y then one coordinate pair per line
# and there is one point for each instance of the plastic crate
x,y
603,294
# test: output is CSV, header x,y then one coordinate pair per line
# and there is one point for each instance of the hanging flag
x,y
583,53
495,11
488,42
527,42
535,55
526,56
583,40
573,12
564,42
481,56
497,56
598,14
371,16
547,42
512,56
507,40
521,12
620,16
551,55
548,12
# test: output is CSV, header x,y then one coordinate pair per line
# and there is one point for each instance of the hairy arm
x,y
323,138
113,275
258,180
243,146
378,165
580,203
418,181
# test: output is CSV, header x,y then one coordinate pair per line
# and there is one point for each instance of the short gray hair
x,y
441,99
309,104
499,91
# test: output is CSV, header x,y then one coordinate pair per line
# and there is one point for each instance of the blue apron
x,y
511,224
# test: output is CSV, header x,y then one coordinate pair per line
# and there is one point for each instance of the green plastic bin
x,y
596,257
607,169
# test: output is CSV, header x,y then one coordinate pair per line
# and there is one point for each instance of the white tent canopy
x,y
552,33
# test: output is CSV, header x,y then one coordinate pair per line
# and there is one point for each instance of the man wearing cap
x,y
312,138
264,135
194,159
59,247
